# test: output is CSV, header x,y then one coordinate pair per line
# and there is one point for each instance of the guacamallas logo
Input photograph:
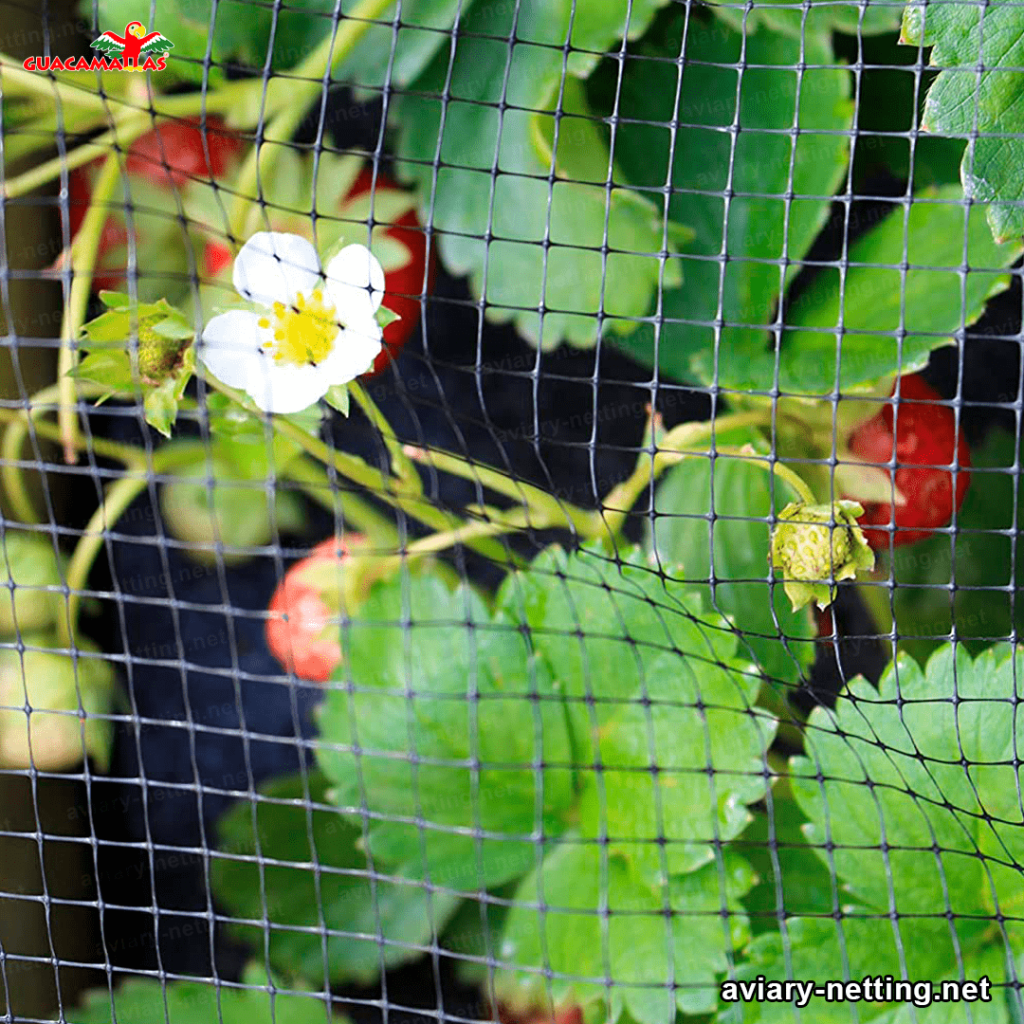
x,y
136,50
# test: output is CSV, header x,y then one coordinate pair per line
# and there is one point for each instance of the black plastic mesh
x,y
109,877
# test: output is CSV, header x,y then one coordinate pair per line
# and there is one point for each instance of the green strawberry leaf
x,y
652,799
732,549
442,737
983,559
865,944
241,34
371,921
394,55
140,1001
792,880
978,96
852,17
931,301
762,164
911,793
492,238
584,929
649,680
109,369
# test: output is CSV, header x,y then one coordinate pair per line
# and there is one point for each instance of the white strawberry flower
x,y
311,328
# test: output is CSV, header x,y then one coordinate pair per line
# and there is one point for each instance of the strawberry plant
x,y
587,782
258,998
897,821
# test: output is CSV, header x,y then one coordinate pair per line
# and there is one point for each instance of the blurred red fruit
x,y
169,157
404,285
176,151
299,617
216,256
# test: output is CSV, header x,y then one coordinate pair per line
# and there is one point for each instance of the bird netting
x,y
509,511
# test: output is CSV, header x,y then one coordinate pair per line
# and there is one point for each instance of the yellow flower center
x,y
303,332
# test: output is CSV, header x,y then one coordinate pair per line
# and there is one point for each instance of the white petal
x,y
274,266
286,388
355,282
229,347
353,354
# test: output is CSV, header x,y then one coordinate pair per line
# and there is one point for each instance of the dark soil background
x,y
206,725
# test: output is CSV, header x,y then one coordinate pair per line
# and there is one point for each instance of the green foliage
x,y
464,737
237,32
200,1002
455,690
316,888
611,937
759,228
573,280
978,96
732,549
983,560
911,793
852,17
648,678
936,236
872,302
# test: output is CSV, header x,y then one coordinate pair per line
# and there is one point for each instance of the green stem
x,y
316,485
21,421
85,252
548,509
354,469
649,465
119,496
103,145
467,534
128,127
19,82
302,87
401,464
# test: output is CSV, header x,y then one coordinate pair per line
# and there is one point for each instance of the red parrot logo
x,y
136,50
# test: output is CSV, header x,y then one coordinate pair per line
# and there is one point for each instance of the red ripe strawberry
x,y
169,157
174,152
113,236
927,441
299,616
403,286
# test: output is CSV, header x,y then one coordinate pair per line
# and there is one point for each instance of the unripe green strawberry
x,y
42,697
815,544
28,561
238,513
